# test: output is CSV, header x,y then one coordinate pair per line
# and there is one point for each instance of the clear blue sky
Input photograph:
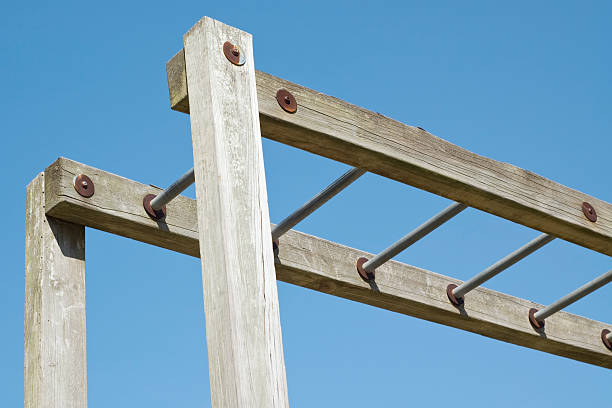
x,y
521,82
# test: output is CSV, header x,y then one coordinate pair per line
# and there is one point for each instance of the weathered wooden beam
x,y
327,267
55,368
338,130
243,331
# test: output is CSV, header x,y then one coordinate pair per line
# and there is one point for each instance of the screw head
x,y
233,53
84,186
604,339
286,100
589,212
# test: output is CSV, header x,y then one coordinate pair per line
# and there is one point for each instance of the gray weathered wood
x,y
243,332
327,267
116,207
55,369
333,128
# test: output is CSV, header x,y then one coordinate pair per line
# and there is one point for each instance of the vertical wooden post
x,y
243,330
55,369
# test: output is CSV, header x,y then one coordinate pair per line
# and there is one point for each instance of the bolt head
x,y
233,54
286,100
589,212
84,186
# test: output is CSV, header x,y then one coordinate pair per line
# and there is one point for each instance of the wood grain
x,y
328,267
338,130
55,367
243,332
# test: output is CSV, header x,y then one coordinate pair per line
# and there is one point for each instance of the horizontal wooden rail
x,y
335,129
325,266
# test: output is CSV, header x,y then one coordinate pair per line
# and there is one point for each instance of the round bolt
x,y
286,100
589,212
84,186
233,54
604,339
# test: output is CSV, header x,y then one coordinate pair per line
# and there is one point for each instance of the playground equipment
x,y
231,106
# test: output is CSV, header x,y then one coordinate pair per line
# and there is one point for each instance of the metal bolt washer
x,y
366,276
233,53
84,186
154,214
286,100
589,212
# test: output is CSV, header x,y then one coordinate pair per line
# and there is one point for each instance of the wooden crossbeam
x,y
335,129
325,266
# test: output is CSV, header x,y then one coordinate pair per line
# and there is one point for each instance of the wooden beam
x,y
327,267
55,368
243,331
338,130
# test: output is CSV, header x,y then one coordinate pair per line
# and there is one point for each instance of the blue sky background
x,y
521,82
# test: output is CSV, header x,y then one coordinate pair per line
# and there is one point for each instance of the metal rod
x,y
414,236
502,265
609,337
175,189
317,201
572,297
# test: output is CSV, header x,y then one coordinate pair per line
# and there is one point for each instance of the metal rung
x,y
455,293
317,201
537,317
154,205
173,190
366,267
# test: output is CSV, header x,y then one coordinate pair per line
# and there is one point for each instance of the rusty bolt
x,y
589,212
233,54
286,100
84,186
604,338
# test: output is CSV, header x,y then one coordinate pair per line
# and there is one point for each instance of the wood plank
x,y
116,207
328,267
243,331
55,367
338,130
